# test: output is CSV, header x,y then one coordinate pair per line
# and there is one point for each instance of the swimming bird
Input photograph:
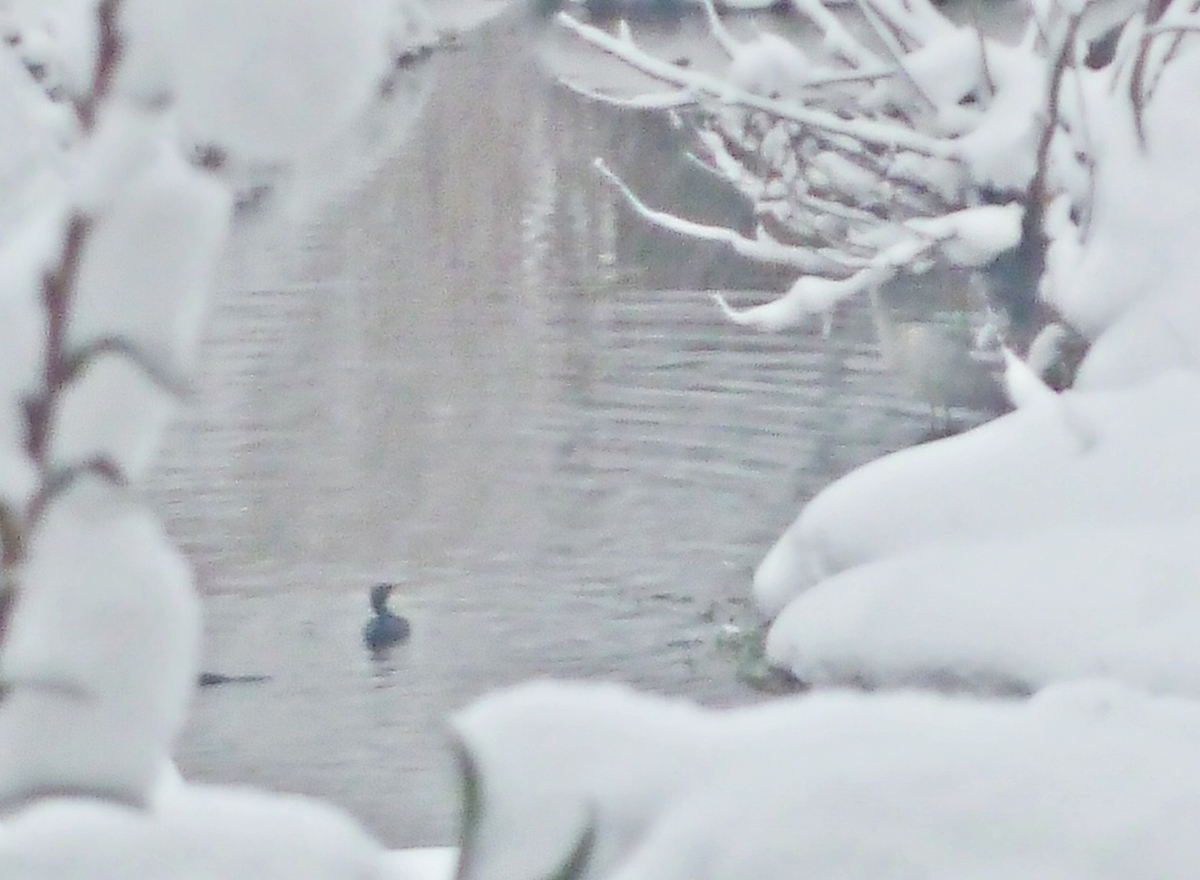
x,y
386,628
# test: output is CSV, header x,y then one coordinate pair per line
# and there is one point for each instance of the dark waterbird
x,y
386,628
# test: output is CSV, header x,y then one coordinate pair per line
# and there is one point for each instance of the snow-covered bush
x,y
1060,163
117,117
897,139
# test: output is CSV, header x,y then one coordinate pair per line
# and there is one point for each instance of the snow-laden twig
x,y
765,250
868,131
836,37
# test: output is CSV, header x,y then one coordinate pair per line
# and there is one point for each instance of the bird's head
x,y
379,597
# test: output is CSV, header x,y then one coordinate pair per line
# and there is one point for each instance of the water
x,y
478,376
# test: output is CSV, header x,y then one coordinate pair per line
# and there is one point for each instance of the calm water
x,y
477,376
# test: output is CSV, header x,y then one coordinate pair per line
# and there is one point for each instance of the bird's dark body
x,y
385,628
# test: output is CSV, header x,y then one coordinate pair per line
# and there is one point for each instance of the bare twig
x,y
894,49
57,481
988,81
158,373
57,287
108,55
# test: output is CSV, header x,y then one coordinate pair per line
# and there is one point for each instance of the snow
x,y
100,654
114,411
1082,457
147,264
201,831
973,237
32,142
421,863
1054,542
769,65
25,256
1009,614
1002,150
1023,385
1035,554
225,47
537,798
1087,780
58,36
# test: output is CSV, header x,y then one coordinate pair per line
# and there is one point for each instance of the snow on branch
x,y
763,249
863,156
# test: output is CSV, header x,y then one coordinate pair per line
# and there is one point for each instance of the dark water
x,y
476,375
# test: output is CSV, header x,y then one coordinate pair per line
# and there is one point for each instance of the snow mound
x,y
1123,456
1008,615
1087,780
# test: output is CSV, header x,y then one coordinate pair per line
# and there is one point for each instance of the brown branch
x,y
108,55
79,360
1035,202
59,480
57,287
12,540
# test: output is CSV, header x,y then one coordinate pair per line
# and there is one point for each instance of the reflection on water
x,y
479,377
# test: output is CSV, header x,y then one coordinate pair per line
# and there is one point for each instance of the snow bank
x,y
202,831
1087,782
1015,614
1083,781
1081,458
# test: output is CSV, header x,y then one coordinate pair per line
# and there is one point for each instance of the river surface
x,y
477,375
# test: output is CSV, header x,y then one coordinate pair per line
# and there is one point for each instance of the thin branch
x,y
57,287
658,101
720,33
58,481
770,252
835,33
157,372
108,55
1037,186
894,49
812,295
985,68
865,130
8,601
12,543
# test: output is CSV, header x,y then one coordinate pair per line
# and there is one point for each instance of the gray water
x,y
477,375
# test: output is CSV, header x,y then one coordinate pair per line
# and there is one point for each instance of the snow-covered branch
x,y
848,149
